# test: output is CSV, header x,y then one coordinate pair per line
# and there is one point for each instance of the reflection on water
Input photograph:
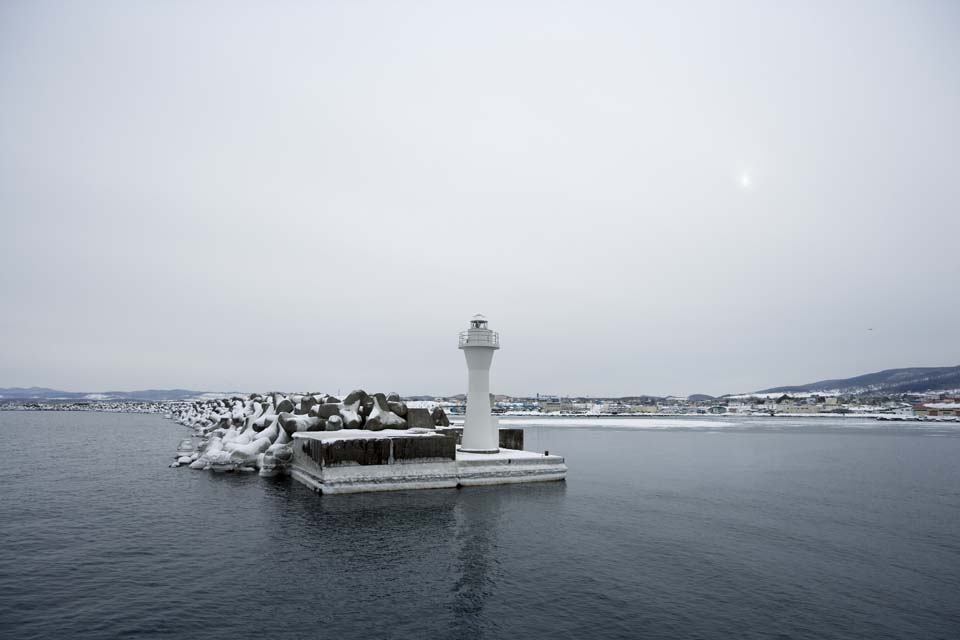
x,y
475,545
479,515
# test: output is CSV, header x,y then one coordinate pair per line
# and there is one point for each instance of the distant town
x,y
944,404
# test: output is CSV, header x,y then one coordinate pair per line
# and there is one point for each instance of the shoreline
x,y
161,410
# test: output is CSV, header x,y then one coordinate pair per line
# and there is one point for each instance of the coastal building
x,y
937,410
563,405
785,404
645,408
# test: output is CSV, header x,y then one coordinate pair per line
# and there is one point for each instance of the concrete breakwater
x,y
364,442
331,464
256,431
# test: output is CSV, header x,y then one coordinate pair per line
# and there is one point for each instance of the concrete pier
x,y
333,463
422,456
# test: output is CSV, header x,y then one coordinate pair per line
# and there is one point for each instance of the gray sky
x,y
701,197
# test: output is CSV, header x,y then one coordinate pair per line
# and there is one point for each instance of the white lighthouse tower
x,y
480,432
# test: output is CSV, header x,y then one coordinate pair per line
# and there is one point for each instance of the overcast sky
x,y
661,198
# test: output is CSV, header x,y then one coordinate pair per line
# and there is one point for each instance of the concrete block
x,y
419,418
360,451
424,448
509,438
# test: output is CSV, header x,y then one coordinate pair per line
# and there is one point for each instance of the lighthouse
x,y
480,432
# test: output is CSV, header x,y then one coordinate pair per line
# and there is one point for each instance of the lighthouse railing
x,y
479,338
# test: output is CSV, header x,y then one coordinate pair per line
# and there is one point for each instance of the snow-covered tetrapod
x,y
480,431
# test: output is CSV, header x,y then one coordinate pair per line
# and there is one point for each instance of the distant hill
x,y
913,379
43,393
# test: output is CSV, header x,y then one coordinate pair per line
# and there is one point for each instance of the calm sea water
x,y
664,529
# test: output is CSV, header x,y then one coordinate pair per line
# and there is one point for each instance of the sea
x,y
665,528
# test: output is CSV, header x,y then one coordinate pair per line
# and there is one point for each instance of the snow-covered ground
x,y
590,421
723,422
